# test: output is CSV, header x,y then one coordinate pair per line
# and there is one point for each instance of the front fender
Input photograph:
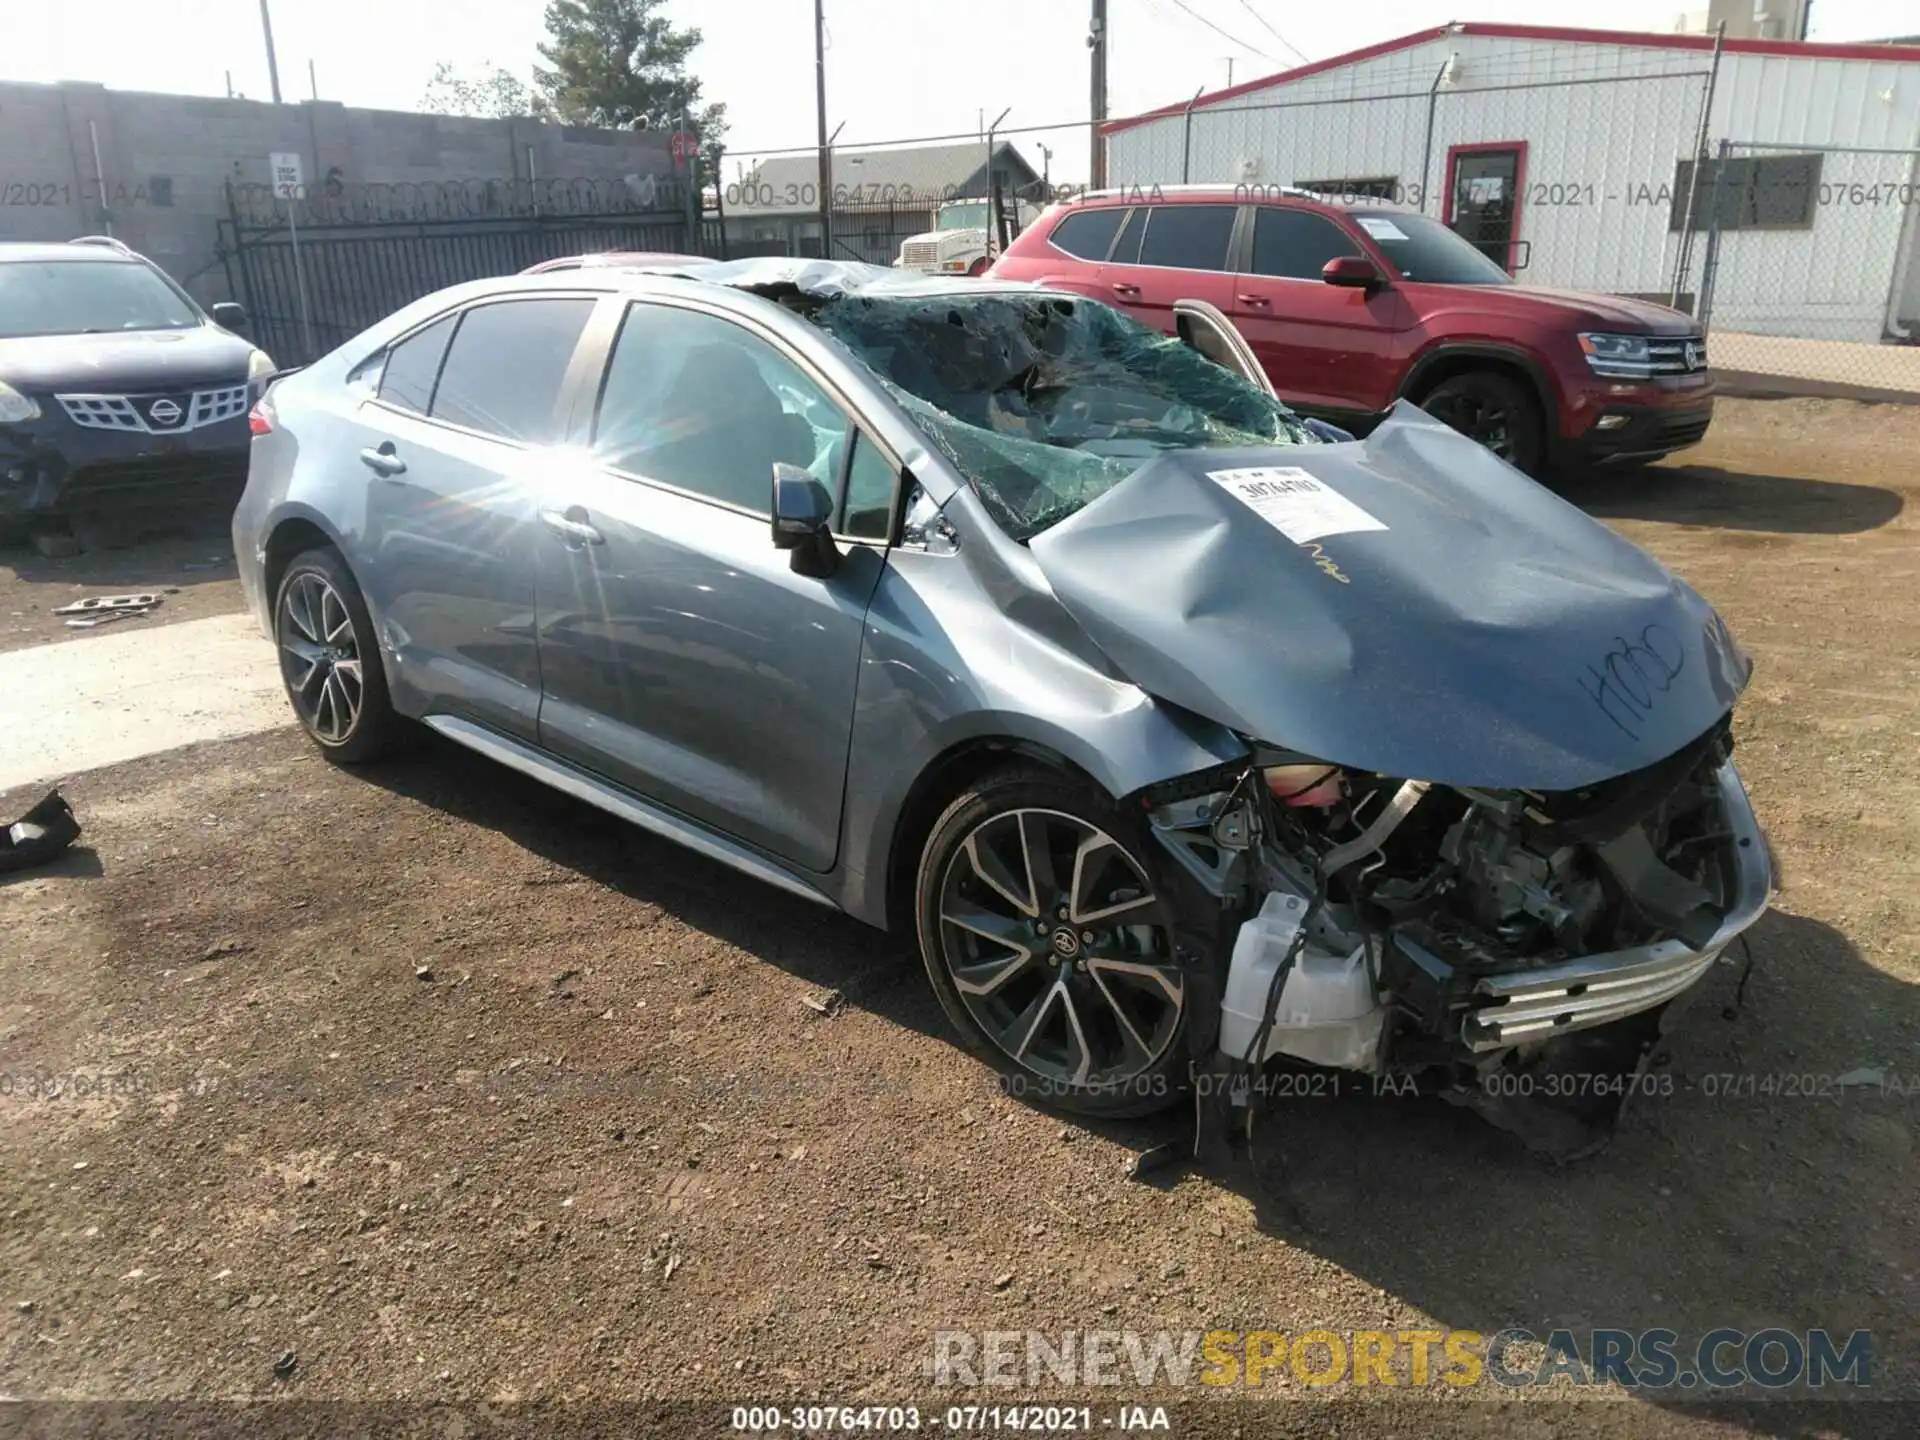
x,y
943,667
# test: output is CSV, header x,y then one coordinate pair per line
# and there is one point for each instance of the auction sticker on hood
x,y
1294,503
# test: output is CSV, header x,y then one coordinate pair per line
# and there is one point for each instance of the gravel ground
x,y
424,1083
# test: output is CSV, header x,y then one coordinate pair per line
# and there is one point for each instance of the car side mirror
x,y
1352,272
803,521
230,315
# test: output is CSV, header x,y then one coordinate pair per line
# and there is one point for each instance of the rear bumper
x,y
63,470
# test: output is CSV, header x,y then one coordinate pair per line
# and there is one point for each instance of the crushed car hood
x,y
1436,615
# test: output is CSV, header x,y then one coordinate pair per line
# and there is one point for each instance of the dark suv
x,y
1352,304
115,388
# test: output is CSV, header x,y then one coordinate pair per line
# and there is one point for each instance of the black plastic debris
x,y
39,835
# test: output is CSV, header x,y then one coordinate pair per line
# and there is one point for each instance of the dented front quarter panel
x,y
973,646
1491,634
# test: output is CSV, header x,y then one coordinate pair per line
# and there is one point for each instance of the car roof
x,y
599,259
26,250
767,275
1246,192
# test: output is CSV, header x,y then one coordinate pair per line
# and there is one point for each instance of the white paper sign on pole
x,y
289,175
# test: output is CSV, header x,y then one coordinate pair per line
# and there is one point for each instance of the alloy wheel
x,y
320,658
1477,419
1059,948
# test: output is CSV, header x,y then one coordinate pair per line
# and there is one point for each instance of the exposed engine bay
x,y
1458,934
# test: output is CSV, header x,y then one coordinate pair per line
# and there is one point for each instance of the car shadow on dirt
x,y
1745,1188
1730,499
814,944
183,553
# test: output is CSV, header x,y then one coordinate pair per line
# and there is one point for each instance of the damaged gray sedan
x,y
1181,736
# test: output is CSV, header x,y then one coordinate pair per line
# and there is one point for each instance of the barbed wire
x,y
1213,105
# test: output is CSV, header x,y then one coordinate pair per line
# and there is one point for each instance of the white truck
x,y
957,244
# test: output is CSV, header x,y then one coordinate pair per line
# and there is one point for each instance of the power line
x,y
1247,5
1231,39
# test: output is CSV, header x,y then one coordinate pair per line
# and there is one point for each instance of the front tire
x,y
1049,946
1496,410
330,661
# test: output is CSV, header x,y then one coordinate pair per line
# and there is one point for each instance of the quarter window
x,y
706,406
867,513
504,370
413,365
1296,244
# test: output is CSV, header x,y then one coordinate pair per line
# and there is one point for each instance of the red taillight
x,y
260,418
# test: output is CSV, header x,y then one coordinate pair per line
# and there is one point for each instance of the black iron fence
x,y
315,273
315,270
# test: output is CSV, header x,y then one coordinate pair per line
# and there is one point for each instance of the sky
x,y
896,69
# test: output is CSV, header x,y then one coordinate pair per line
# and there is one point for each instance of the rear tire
x,y
1050,949
330,660
1496,410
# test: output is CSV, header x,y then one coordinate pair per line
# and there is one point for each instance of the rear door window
x,y
1188,237
503,372
406,382
1088,234
1296,244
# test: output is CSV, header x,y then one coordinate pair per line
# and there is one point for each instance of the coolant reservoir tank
x,y
1328,1014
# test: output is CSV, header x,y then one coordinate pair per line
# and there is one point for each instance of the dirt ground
x,y
187,560
423,1082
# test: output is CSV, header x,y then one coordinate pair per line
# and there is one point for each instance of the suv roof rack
x,y
105,242
1214,187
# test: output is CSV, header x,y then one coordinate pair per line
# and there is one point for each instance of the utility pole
x,y
273,64
820,102
1097,43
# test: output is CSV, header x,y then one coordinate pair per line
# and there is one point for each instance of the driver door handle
x,y
1121,287
383,461
574,532
1260,300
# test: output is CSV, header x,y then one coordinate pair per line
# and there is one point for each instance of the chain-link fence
x,y
1810,269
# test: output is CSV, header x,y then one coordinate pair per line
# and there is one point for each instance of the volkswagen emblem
x,y
164,412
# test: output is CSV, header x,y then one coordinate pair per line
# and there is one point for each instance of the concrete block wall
x,y
164,161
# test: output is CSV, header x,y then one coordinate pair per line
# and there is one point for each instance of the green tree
x,y
494,94
614,62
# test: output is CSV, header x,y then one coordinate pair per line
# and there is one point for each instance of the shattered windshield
x,y
1046,402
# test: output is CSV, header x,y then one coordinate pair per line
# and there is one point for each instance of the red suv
x,y
1352,304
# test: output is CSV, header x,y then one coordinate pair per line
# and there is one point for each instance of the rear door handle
x,y
1122,288
1260,300
574,532
383,460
